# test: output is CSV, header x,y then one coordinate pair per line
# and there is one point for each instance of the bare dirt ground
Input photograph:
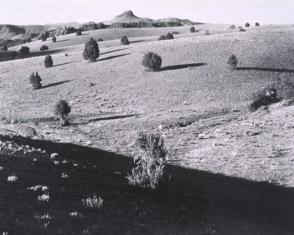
x,y
195,101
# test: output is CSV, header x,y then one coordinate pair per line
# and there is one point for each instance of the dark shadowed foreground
x,y
193,203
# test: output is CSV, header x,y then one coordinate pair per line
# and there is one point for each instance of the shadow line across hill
x,y
195,195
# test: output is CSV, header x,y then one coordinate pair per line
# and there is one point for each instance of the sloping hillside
x,y
195,101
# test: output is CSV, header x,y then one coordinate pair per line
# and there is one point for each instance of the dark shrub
x,y
169,36
44,48
35,80
207,32
48,61
149,169
176,32
192,29
247,25
233,26
257,24
265,97
4,47
54,39
61,110
24,51
43,37
242,30
124,40
91,50
233,62
152,61
162,37
79,32
100,40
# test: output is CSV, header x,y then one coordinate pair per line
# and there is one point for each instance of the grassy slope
x,y
195,81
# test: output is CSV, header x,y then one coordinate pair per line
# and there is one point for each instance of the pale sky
x,y
211,11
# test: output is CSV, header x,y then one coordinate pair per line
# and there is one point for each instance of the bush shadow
x,y
182,66
107,52
54,84
113,57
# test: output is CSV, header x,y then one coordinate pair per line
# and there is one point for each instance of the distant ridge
x,y
125,19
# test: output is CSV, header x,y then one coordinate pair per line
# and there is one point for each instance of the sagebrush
x,y
124,40
44,48
24,51
150,165
35,80
91,50
62,109
152,61
48,62
233,62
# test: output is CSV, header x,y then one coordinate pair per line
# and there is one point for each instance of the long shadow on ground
x,y
106,118
55,84
194,202
71,62
182,66
107,52
113,57
267,69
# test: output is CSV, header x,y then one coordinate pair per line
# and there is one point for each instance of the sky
x,y
211,11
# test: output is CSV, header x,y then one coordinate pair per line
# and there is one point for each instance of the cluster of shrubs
x,y
54,39
168,36
124,40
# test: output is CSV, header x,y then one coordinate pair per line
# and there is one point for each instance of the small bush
x,y
242,30
124,40
161,37
79,32
169,36
192,29
149,169
152,61
265,97
62,109
233,62
4,47
233,26
247,25
207,32
48,61
257,24
54,39
24,51
35,80
176,32
44,48
100,40
91,50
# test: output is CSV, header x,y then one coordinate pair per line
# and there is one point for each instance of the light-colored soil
x,y
196,102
